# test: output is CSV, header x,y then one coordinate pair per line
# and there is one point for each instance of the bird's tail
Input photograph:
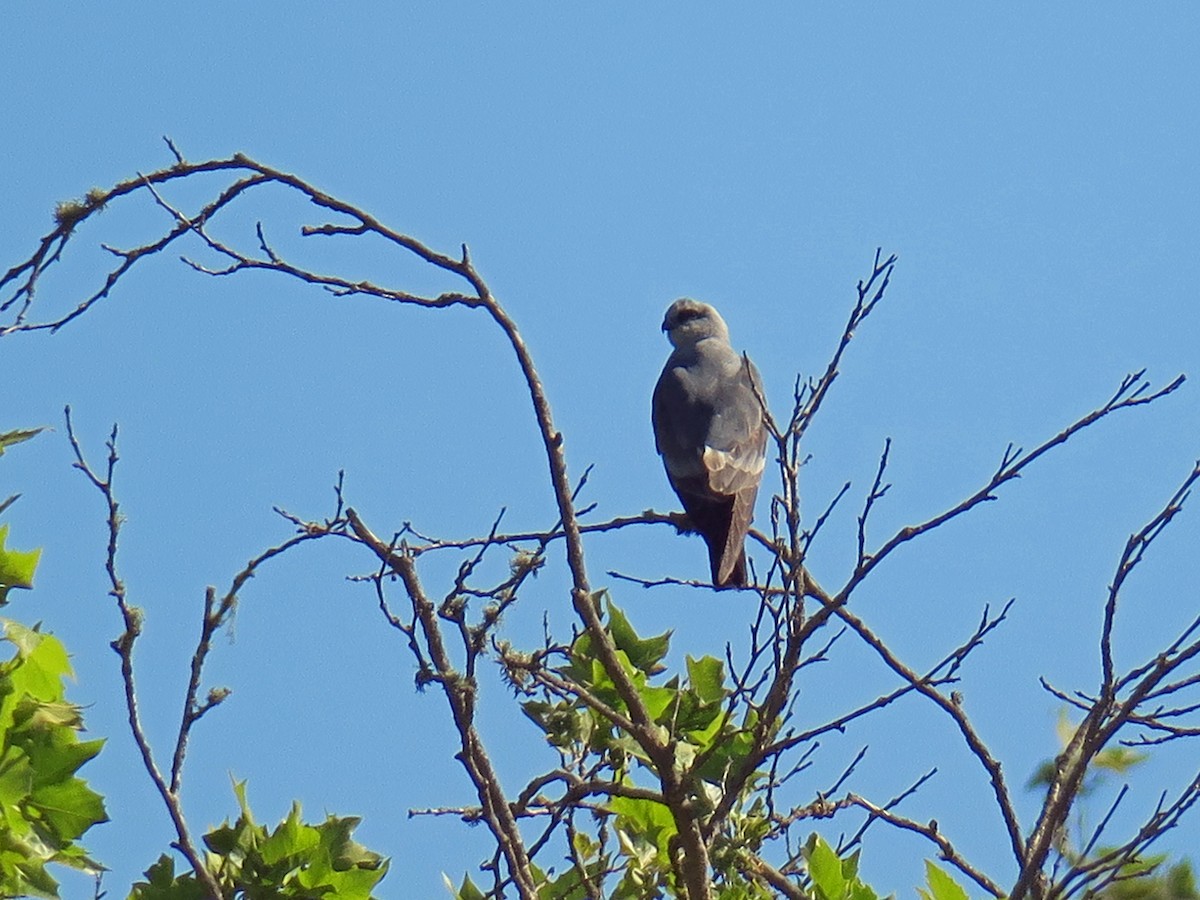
x,y
729,569
723,526
727,555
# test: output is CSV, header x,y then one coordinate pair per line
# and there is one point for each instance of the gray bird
x,y
709,430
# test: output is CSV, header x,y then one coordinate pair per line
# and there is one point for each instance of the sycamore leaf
x,y
647,818
825,869
28,878
657,700
56,759
291,837
644,653
43,663
468,891
941,885
707,678
69,807
16,780
239,791
1119,759
161,884
16,567
8,438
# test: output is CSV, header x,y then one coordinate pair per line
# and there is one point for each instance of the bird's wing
x,y
735,449
734,457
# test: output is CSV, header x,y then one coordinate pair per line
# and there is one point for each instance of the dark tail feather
x,y
732,554
723,525
737,576
726,551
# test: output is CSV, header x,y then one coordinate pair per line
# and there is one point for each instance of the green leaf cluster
x,y
833,878
44,807
709,743
567,886
690,710
295,859
1147,878
1145,881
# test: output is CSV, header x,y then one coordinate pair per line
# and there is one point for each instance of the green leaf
x,y
1043,776
561,722
239,791
33,880
707,678
222,840
468,891
345,852
731,747
1119,759
161,884
57,759
162,873
657,700
290,838
585,848
647,819
825,869
16,567
850,864
645,654
941,885
706,736
8,438
860,891
16,779
1180,882
69,807
44,662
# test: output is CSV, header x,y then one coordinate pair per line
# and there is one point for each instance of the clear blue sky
x,y
1034,165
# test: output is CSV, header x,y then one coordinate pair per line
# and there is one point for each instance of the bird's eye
x,y
686,315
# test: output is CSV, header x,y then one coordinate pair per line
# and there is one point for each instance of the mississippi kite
x,y
709,430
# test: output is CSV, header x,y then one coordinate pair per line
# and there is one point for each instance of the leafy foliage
x,y
44,807
637,846
295,859
833,878
1143,878
1177,882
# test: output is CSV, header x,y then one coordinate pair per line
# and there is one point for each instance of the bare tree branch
x,y
784,631
123,645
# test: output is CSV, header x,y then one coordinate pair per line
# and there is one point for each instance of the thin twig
x,y
123,645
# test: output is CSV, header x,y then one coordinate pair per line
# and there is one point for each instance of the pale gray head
x,y
690,321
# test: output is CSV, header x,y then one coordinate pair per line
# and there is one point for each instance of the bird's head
x,y
689,321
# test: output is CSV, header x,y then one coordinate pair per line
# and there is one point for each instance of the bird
x,y
710,429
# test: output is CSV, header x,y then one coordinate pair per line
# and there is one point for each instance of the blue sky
x,y
1035,166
